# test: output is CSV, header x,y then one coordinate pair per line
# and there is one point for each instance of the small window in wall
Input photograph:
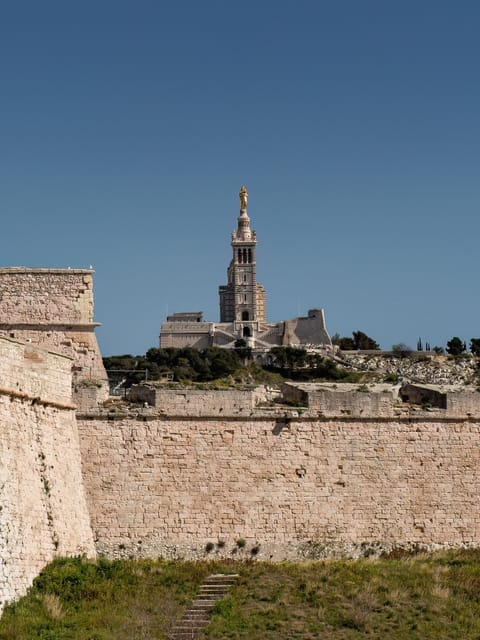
x,y
246,332
244,277
245,316
244,297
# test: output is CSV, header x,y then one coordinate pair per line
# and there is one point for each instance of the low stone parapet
x,y
200,402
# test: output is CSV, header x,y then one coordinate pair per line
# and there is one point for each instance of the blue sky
x,y
127,129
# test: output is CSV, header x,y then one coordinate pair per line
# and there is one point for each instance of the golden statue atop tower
x,y
243,198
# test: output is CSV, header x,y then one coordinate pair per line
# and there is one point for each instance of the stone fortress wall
x,y
43,512
295,488
350,471
30,372
321,470
53,308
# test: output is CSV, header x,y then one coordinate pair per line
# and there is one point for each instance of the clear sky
x,y
128,127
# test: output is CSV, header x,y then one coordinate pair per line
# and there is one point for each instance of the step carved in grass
x,y
197,616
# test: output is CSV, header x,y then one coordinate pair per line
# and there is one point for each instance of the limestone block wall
x,y
27,370
344,400
296,487
43,511
53,308
199,402
46,295
353,403
78,343
463,403
452,400
87,395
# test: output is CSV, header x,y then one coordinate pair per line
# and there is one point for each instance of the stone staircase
x,y
197,616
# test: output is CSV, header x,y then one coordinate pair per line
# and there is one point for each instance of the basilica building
x,y
243,315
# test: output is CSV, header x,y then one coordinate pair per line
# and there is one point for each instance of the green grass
x,y
422,597
103,600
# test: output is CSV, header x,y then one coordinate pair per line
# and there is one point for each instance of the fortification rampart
x,y
201,402
53,309
322,400
384,400
43,509
292,481
318,470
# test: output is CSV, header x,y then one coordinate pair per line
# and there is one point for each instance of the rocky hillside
x,y
429,369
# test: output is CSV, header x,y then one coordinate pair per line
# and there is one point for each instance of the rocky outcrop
x,y
429,369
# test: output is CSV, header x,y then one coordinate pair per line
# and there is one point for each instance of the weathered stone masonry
x,y
53,308
43,511
165,486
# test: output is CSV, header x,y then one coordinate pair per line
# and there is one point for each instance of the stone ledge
x,y
34,347
45,270
258,417
36,399
270,551
81,326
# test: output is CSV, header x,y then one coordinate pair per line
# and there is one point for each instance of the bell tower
x,y
242,300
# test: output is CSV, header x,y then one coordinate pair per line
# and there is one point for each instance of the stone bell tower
x,y
242,300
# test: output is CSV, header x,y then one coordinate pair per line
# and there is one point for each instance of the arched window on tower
x,y
249,255
245,315
240,256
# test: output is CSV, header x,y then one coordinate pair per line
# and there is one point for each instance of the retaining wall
x,y
296,487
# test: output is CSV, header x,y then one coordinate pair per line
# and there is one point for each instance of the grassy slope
x,y
426,597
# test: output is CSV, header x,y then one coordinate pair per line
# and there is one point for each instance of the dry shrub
x,y
470,586
419,556
398,596
53,605
360,608
440,592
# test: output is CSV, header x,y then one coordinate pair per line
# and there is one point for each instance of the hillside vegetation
x,y
424,597
190,365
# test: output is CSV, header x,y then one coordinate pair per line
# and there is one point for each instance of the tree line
x,y
186,364
205,365
362,342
